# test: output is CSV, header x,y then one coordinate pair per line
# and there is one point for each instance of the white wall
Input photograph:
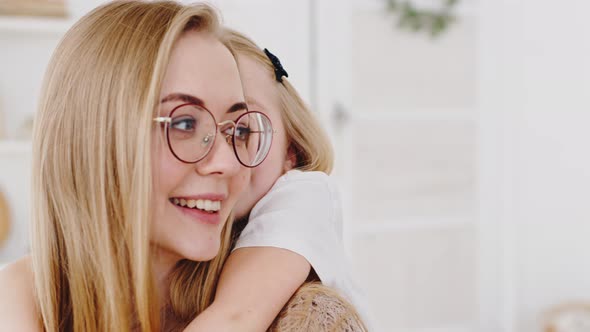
x,y
535,80
553,251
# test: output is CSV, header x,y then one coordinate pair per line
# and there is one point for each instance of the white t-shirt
x,y
302,212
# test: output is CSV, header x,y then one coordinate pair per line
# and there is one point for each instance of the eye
x,y
227,131
242,133
183,123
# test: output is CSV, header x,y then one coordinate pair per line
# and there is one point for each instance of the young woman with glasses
x,y
142,146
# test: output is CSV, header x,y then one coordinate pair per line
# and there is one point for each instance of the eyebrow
x,y
183,98
186,98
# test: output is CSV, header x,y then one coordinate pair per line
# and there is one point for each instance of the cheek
x,y
264,177
168,174
165,171
272,167
240,200
240,182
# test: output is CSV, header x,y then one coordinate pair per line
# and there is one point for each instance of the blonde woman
x,y
141,150
293,215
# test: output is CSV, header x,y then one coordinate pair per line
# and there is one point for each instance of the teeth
x,y
201,204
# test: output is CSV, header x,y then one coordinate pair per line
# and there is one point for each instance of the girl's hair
x,y
314,307
92,175
307,140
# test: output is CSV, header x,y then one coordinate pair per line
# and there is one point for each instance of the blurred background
x,y
461,132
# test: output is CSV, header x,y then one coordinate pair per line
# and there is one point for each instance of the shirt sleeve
x,y
300,213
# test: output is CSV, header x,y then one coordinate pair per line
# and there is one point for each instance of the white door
x,y
402,110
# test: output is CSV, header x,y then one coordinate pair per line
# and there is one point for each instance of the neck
x,y
162,264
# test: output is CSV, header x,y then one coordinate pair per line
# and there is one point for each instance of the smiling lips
x,y
203,208
206,205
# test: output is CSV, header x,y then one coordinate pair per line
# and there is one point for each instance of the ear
x,y
290,160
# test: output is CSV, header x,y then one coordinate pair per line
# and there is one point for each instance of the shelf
x,y
14,147
36,26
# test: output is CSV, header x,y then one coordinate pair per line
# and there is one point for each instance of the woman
x,y
138,161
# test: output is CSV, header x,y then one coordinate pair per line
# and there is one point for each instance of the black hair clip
x,y
279,70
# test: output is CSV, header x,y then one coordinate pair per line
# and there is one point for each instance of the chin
x,y
207,256
203,251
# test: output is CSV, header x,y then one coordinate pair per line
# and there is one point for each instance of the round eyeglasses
x,y
191,131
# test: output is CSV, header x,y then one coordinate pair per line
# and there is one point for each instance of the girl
x,y
294,227
139,155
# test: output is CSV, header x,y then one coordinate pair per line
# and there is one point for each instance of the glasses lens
x,y
191,133
252,138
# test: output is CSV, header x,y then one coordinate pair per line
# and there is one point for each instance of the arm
x,y
258,278
18,311
254,286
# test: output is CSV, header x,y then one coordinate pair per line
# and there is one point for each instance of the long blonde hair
x,y
307,140
92,174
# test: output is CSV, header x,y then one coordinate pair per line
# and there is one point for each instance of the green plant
x,y
434,22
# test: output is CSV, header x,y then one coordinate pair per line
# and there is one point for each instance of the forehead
x,y
259,85
201,66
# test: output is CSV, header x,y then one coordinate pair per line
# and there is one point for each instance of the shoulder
x,y
298,189
301,200
17,278
311,185
18,308
295,176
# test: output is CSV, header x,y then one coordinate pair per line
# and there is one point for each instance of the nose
x,y
220,160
